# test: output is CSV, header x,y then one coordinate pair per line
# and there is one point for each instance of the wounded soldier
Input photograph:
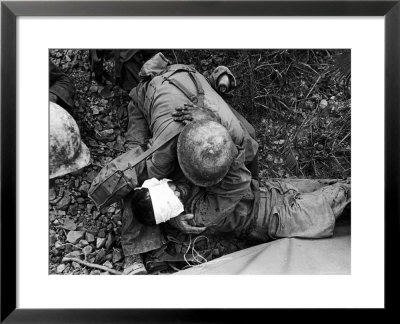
x,y
280,208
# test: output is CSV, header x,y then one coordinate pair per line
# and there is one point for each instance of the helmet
x,y
205,152
67,153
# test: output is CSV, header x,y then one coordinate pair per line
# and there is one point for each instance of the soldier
x,y
281,208
61,90
154,126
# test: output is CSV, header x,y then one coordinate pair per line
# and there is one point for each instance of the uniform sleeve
x,y
61,85
138,132
213,206
164,161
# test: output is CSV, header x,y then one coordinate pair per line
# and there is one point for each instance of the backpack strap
x,y
197,98
152,149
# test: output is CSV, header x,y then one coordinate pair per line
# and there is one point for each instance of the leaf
x,y
290,161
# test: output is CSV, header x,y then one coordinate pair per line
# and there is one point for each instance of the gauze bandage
x,y
165,204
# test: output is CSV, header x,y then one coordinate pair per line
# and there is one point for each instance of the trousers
x,y
299,208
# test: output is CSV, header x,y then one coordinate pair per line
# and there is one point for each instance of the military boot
x,y
134,265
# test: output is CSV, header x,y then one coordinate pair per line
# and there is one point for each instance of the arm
x,y
61,89
138,132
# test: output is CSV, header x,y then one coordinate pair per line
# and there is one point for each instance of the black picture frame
x,y
10,10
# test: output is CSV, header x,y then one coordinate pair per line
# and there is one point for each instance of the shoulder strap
x,y
154,148
197,98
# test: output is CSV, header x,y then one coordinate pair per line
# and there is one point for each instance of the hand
x,y
185,223
192,113
53,97
181,190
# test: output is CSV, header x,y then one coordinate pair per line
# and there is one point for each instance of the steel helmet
x,y
205,152
67,152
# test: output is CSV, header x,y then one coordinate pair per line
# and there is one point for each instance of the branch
x,y
92,265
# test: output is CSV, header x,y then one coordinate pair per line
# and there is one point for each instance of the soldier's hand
x,y
184,223
192,113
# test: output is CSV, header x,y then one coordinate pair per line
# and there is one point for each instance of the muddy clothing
x,y
282,208
61,86
150,121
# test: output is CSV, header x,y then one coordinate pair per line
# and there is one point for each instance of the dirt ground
x,y
297,100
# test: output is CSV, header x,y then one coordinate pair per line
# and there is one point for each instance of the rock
x,y
69,225
61,268
73,209
64,202
80,200
52,193
280,142
111,210
87,249
109,241
95,111
96,214
53,239
106,93
52,216
323,104
84,188
110,226
102,233
55,201
74,254
119,143
58,244
90,177
56,222
77,183
270,158
100,242
100,257
116,218
117,255
108,264
76,265
89,208
93,88
83,243
106,135
75,236
89,237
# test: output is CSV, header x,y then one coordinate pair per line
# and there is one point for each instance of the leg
x,y
136,239
283,211
310,185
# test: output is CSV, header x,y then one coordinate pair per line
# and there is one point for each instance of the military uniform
x,y
62,86
150,122
280,208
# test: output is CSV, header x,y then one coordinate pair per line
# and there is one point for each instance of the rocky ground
x,y
298,101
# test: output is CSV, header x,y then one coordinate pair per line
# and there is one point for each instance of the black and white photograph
x,y
199,161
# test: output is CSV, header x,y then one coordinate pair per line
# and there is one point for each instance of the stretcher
x,y
291,256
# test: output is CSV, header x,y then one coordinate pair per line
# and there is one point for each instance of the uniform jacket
x,y
150,121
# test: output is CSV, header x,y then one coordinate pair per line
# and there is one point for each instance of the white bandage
x,y
165,204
